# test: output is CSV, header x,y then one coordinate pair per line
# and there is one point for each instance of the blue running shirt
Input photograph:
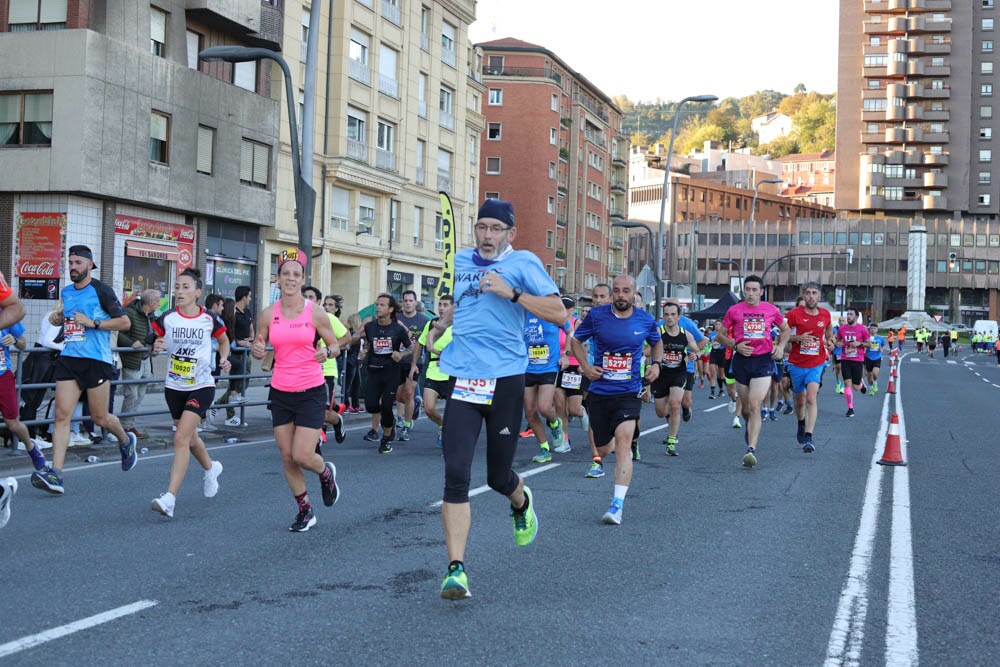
x,y
542,339
6,363
487,336
98,302
617,345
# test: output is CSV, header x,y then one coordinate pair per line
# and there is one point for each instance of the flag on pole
x,y
447,283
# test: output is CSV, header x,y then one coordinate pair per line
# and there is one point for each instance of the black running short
x,y
572,381
440,387
537,379
88,373
872,364
305,408
608,411
717,357
748,368
669,377
852,371
197,401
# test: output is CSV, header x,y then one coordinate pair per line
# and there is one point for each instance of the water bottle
x,y
232,441
144,450
93,459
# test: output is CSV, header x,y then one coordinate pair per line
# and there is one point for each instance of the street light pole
x,y
753,212
663,199
694,267
628,224
305,195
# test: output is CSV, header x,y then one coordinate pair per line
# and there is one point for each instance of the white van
x,y
986,327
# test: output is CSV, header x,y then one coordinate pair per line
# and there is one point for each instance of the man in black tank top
x,y
679,347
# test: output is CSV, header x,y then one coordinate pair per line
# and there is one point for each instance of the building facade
x,y
553,147
398,118
915,116
114,135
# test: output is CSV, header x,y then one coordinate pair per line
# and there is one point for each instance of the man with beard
x,y
92,312
853,339
619,332
406,399
600,296
494,287
812,336
746,328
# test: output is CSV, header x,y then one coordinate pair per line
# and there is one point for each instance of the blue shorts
x,y
802,377
748,368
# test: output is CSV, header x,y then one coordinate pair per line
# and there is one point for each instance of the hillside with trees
x,y
814,118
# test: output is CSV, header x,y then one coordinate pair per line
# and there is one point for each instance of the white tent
x,y
913,320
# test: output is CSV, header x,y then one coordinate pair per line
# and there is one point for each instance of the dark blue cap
x,y
498,210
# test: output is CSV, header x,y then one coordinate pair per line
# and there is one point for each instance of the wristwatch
x,y
97,323
517,294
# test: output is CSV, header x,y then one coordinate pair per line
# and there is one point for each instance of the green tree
x,y
760,103
640,139
815,125
780,147
801,88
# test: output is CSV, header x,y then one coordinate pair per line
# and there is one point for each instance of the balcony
x,y
525,72
616,242
894,156
388,85
939,114
937,93
895,113
936,5
390,12
616,212
234,17
935,180
898,45
448,57
935,202
894,90
912,156
895,68
357,150
614,268
895,135
596,138
939,70
618,159
447,121
871,201
914,112
922,46
359,71
935,158
935,137
914,135
444,181
385,159
898,5
872,178
617,185
915,90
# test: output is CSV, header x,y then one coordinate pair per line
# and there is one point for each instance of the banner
x,y
40,240
449,246
182,236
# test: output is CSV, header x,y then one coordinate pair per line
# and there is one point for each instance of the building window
x,y
30,15
494,64
473,149
555,102
438,232
472,190
159,137
340,208
986,111
357,134
983,200
245,76
493,195
206,149
157,31
496,97
304,35
193,48
418,218
987,46
492,165
421,152
985,155
986,89
448,43
986,68
985,177
493,131
255,164
26,119
986,133
549,238
422,95
394,221
357,53
875,40
446,106
387,59
550,205
552,170
987,24
385,143
425,20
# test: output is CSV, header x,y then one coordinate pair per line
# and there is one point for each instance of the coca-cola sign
x,y
40,240
144,228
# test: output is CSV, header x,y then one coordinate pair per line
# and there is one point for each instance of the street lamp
x,y
663,198
734,264
629,224
305,195
561,272
753,211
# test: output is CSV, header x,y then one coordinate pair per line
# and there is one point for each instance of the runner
x,y
297,395
853,338
570,383
386,346
599,296
494,286
330,370
185,333
92,312
437,385
873,358
836,354
716,364
9,408
619,331
407,399
811,339
542,341
679,346
735,405
754,354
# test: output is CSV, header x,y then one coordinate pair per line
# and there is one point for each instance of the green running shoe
x,y
525,523
558,435
543,456
749,460
456,584
671,446
596,470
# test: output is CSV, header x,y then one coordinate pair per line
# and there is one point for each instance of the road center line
x,y
24,643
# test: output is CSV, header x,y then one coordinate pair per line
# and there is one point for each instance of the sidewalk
x,y
257,417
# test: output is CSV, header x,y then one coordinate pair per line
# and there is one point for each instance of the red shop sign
x,y
39,245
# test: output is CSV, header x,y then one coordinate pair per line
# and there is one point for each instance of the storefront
x,y
398,282
428,289
155,253
230,258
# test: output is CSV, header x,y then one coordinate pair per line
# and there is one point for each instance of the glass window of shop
x,y
428,291
230,258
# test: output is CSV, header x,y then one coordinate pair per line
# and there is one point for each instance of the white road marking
x,y
24,643
952,362
915,360
901,629
717,407
527,473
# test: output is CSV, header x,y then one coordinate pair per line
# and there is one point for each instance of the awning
x,y
151,250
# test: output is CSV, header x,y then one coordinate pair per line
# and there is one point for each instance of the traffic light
x,y
952,260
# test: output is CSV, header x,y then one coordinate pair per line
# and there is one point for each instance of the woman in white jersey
x,y
185,333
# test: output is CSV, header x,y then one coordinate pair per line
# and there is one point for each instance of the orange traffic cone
x,y
892,371
891,456
892,384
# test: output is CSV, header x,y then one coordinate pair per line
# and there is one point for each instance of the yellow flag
x,y
447,283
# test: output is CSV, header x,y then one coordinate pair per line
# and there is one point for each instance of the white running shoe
x,y
233,421
164,504
732,407
585,420
41,443
736,422
79,440
211,479
9,487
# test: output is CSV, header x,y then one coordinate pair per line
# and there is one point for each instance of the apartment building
x,y
554,148
397,119
809,176
114,135
915,116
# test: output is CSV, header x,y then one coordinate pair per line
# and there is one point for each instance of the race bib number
x,y
382,346
617,366
538,354
672,359
182,369
571,380
753,328
479,392
4,365
73,332
811,348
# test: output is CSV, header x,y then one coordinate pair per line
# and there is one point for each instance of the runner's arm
x,y
13,311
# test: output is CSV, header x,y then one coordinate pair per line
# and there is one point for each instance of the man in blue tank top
x,y
92,312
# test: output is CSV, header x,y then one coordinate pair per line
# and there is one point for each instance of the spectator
x,y
229,318
352,367
133,368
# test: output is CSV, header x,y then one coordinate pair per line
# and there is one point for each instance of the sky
x,y
670,49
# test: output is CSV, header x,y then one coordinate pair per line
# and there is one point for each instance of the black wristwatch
x,y
517,294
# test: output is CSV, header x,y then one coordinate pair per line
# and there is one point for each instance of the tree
x,y
780,147
799,89
760,103
639,139
815,125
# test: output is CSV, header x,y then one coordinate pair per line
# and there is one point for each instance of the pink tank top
x,y
295,365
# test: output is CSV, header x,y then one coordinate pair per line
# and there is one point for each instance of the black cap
x,y
568,302
498,210
82,251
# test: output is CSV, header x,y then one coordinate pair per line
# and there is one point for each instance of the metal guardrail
x,y
247,377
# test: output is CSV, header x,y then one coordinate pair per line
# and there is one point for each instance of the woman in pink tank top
x,y
298,391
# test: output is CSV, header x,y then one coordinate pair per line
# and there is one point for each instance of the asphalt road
x,y
809,558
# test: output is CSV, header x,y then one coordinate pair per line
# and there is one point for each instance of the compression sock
x,y
303,500
849,395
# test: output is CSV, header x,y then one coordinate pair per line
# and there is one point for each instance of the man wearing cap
x,y
92,312
487,356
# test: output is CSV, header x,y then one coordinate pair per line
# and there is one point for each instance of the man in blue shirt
x,y
14,335
873,358
619,332
495,287
542,339
92,312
